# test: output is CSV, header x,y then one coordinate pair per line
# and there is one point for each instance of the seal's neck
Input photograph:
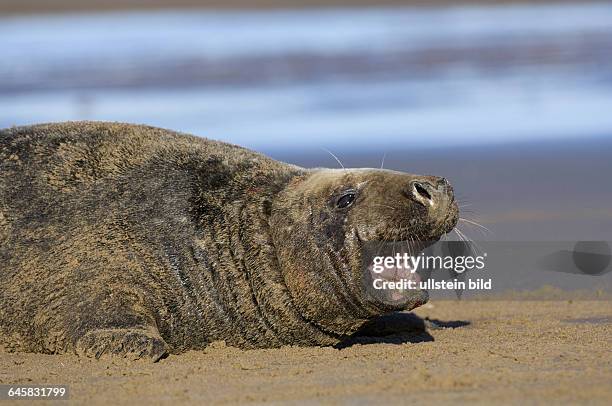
x,y
237,281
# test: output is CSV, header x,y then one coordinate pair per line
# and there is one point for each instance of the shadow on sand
x,y
399,328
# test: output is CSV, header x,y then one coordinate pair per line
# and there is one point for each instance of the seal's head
x,y
323,224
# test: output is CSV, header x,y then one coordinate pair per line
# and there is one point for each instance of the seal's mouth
x,y
390,277
398,275
396,284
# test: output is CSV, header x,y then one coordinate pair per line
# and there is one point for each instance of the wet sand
x,y
474,351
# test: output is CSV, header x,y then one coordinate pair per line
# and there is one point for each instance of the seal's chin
x,y
389,278
403,283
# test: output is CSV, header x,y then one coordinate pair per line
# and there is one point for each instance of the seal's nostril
x,y
421,191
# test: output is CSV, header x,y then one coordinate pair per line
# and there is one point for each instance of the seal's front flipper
x,y
133,343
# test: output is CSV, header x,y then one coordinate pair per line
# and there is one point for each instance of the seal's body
x,y
126,239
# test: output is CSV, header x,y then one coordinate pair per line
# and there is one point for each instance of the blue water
x,y
321,78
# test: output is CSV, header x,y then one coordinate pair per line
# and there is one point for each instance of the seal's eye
x,y
346,200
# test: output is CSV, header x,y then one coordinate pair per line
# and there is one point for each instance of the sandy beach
x,y
474,351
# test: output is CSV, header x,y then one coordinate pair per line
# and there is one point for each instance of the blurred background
x,y
512,101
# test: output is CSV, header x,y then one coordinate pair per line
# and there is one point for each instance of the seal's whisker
x,y
412,250
458,234
461,235
462,204
334,156
468,211
475,224
468,241
380,244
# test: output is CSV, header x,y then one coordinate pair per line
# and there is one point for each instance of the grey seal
x,y
139,241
